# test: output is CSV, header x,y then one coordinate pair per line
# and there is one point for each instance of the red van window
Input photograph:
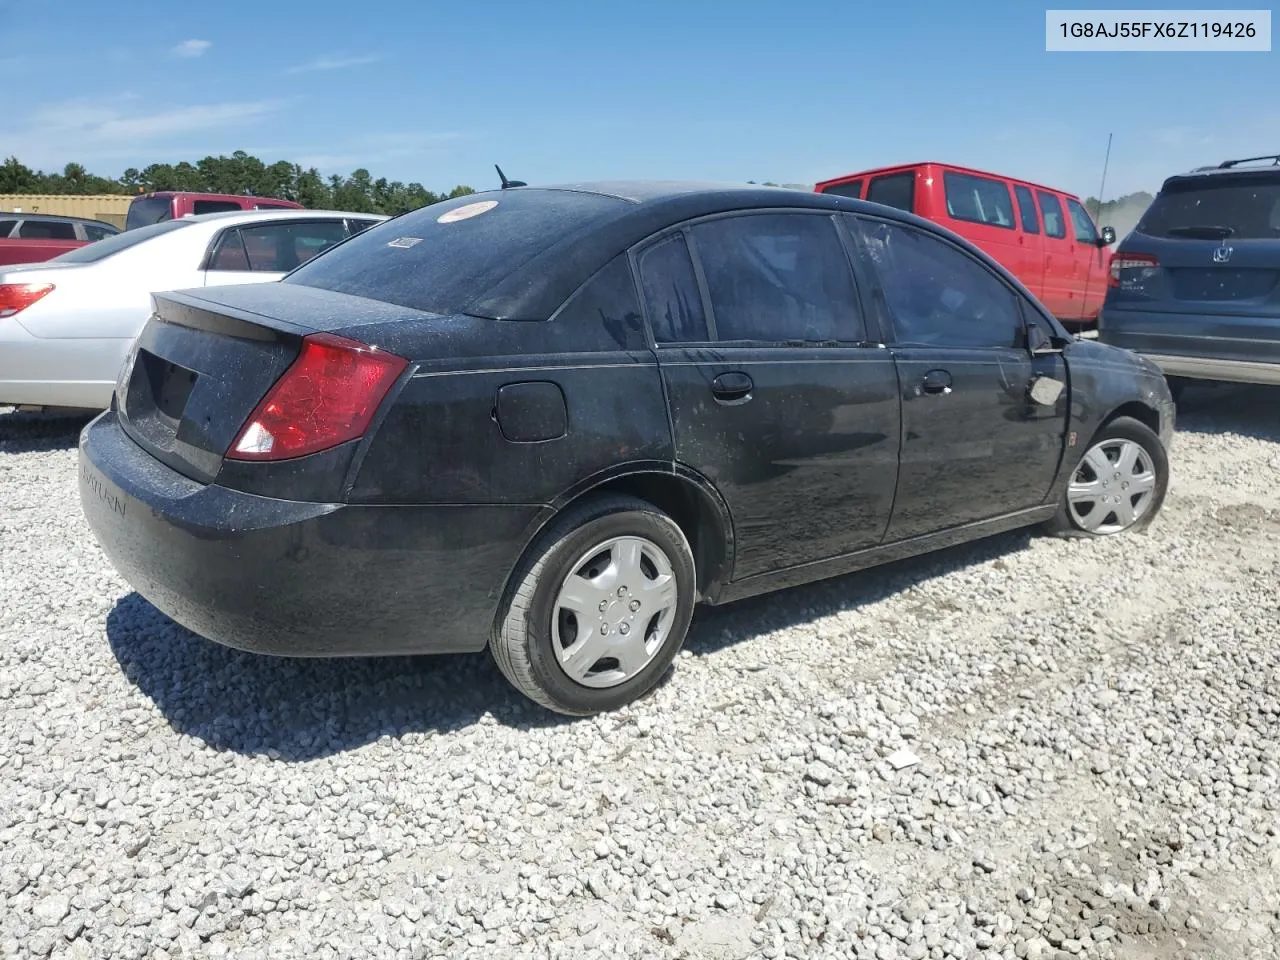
x,y
851,189
214,206
894,190
1051,210
978,199
1027,209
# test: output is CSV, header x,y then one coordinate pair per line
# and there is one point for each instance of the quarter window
x,y
776,277
1083,223
671,295
6,227
93,232
1051,209
937,294
1027,209
978,199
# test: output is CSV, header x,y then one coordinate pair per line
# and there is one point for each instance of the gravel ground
x,y
1085,732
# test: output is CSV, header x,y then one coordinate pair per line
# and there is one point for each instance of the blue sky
x,y
439,91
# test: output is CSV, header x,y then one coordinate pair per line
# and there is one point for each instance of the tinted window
x,y
1027,210
609,301
939,295
46,230
895,190
1242,208
230,253
671,294
1051,210
92,252
358,225
93,231
148,210
1082,223
978,199
778,277
280,247
214,206
6,227
851,189
442,267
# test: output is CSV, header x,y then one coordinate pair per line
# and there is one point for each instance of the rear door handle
x,y
733,387
936,381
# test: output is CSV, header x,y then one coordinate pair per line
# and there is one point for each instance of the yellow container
x,y
110,207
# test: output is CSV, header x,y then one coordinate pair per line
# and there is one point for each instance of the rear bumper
x,y
1201,346
60,373
297,579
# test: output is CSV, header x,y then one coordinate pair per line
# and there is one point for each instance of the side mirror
x,y
1108,236
1037,340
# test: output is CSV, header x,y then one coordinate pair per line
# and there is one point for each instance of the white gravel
x,y
1021,748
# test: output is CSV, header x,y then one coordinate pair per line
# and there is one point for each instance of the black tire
x,y
522,641
1064,524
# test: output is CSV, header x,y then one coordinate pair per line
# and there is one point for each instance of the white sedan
x,y
66,324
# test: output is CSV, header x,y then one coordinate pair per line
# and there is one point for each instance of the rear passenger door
x,y
983,210
267,251
774,393
974,444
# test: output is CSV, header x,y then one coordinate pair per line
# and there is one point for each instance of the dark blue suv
x,y
1196,286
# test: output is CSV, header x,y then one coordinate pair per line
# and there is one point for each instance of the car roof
x,y
1220,171
534,288
280,213
60,218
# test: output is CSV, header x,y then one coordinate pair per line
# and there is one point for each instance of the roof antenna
x,y
508,183
1101,187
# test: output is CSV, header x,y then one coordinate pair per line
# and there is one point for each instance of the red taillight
x,y
1130,261
16,297
326,397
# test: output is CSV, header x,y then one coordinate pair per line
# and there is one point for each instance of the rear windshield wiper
x,y
1204,232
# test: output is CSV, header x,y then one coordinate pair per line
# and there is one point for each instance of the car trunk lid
x,y
205,359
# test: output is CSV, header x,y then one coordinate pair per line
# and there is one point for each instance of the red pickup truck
x,y
35,237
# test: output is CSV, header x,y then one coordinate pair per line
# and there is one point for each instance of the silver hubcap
x,y
614,611
1112,487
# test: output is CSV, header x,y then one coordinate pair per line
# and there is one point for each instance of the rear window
x,y
1216,208
418,261
92,252
214,206
148,210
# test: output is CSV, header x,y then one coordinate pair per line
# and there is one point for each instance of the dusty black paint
x,y
783,463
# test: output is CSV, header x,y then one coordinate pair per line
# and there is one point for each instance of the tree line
x,y
239,173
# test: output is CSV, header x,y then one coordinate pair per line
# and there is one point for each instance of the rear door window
x,y
1027,209
894,190
1085,231
280,247
978,199
1235,206
1051,209
46,230
671,295
778,277
937,294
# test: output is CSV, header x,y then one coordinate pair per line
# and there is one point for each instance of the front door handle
x,y
936,381
734,387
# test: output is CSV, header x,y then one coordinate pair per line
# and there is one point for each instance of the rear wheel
x,y
1117,486
599,609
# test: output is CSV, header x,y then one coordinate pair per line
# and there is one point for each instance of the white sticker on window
x,y
466,212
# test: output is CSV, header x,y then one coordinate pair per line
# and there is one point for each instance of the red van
x,y
1042,235
174,204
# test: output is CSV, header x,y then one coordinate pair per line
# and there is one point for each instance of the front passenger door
x,y
974,444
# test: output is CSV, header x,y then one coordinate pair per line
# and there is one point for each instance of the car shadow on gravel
x,y
296,708
1245,410
40,432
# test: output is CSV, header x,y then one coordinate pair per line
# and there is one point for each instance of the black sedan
x,y
551,420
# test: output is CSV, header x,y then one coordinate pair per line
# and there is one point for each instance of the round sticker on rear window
x,y
466,212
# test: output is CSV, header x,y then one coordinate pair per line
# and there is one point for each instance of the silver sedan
x,y
66,325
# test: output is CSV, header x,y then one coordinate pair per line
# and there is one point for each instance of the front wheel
x,y
1118,485
599,609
